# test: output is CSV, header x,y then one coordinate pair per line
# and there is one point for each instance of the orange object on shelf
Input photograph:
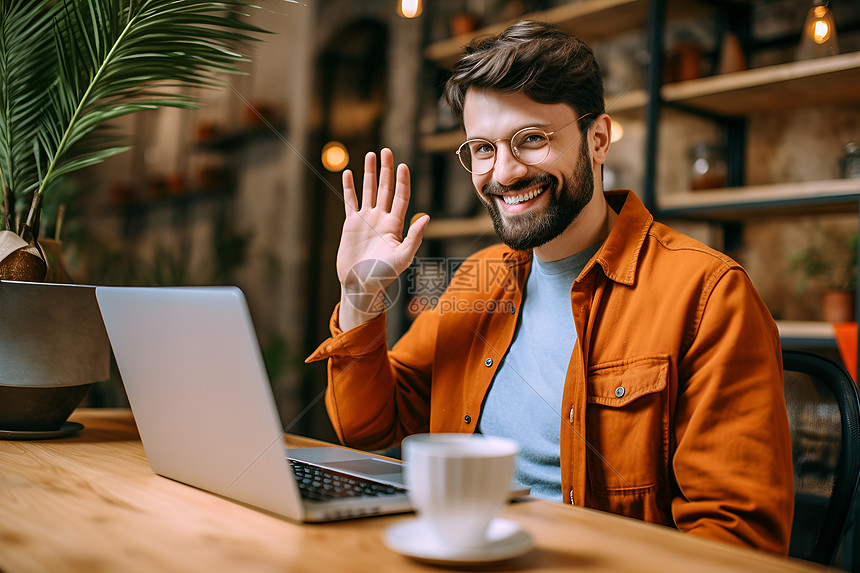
x,y
846,341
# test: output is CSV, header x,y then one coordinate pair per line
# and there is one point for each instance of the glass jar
x,y
851,161
708,168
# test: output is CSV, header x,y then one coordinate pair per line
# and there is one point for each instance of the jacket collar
x,y
619,254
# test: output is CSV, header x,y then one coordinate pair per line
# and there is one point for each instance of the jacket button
x,y
619,392
467,419
513,310
488,362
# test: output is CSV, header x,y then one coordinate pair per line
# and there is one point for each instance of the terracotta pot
x,y
462,23
838,306
53,251
732,57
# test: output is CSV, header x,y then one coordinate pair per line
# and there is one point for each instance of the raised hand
x,y
373,251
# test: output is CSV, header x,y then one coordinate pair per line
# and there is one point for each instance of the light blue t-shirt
x,y
524,400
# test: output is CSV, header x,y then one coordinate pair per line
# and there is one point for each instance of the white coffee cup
x,y
458,483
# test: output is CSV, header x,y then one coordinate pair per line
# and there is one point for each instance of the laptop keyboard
x,y
320,484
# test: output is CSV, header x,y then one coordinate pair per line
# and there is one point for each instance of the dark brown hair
x,y
533,58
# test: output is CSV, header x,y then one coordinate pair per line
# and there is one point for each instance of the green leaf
x,y
26,74
99,60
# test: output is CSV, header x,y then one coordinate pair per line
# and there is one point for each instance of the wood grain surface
x,y
90,503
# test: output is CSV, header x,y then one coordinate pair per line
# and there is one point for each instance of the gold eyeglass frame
x,y
514,150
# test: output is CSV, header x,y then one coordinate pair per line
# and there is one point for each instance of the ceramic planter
x,y
53,347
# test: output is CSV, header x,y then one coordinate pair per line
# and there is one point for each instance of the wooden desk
x,y
90,503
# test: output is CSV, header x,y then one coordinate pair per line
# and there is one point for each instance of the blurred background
x,y
736,121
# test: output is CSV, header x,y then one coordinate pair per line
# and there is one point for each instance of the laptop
x,y
195,379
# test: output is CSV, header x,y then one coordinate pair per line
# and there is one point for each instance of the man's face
x,y
530,204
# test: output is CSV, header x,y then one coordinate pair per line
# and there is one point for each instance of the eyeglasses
x,y
529,145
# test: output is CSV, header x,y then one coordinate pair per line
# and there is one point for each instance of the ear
x,y
599,136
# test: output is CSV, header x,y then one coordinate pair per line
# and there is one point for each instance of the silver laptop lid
x,y
195,379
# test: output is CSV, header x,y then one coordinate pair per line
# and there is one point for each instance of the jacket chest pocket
x,y
627,425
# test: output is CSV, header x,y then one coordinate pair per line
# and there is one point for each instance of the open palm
x,y
373,251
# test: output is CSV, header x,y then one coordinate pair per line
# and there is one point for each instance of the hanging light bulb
x,y
821,27
409,8
819,33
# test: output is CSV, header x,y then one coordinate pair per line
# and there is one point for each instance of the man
x,y
637,368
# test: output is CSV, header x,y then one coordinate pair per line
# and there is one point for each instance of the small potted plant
x,y
829,264
67,68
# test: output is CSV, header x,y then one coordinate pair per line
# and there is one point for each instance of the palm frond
x,y
26,73
110,55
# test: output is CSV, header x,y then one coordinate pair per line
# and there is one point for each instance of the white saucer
x,y
414,538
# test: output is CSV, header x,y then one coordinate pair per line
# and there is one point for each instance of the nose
x,y
507,169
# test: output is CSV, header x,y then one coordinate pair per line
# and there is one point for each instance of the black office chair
x,y
824,415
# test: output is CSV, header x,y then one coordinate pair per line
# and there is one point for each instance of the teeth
x,y
523,197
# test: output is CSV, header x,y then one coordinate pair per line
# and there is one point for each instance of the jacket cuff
x,y
352,343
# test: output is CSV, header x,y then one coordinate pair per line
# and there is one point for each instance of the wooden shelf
x,y
442,142
807,197
589,20
829,80
183,200
806,333
627,103
459,227
233,141
822,81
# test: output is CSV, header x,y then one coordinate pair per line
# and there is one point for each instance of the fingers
x,y
368,190
409,247
402,192
350,200
392,191
386,175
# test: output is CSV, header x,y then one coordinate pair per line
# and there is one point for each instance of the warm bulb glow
x,y
617,132
820,32
335,156
409,8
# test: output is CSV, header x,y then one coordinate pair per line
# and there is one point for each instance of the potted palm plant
x,y
68,67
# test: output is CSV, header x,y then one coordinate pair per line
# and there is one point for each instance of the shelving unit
x,y
806,334
590,20
724,98
459,227
730,100
835,79
778,87
738,203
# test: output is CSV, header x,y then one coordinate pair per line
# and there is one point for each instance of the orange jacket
x,y
673,410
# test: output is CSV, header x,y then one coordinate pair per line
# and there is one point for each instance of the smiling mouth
x,y
523,197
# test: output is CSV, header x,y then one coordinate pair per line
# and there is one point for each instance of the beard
x,y
567,199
